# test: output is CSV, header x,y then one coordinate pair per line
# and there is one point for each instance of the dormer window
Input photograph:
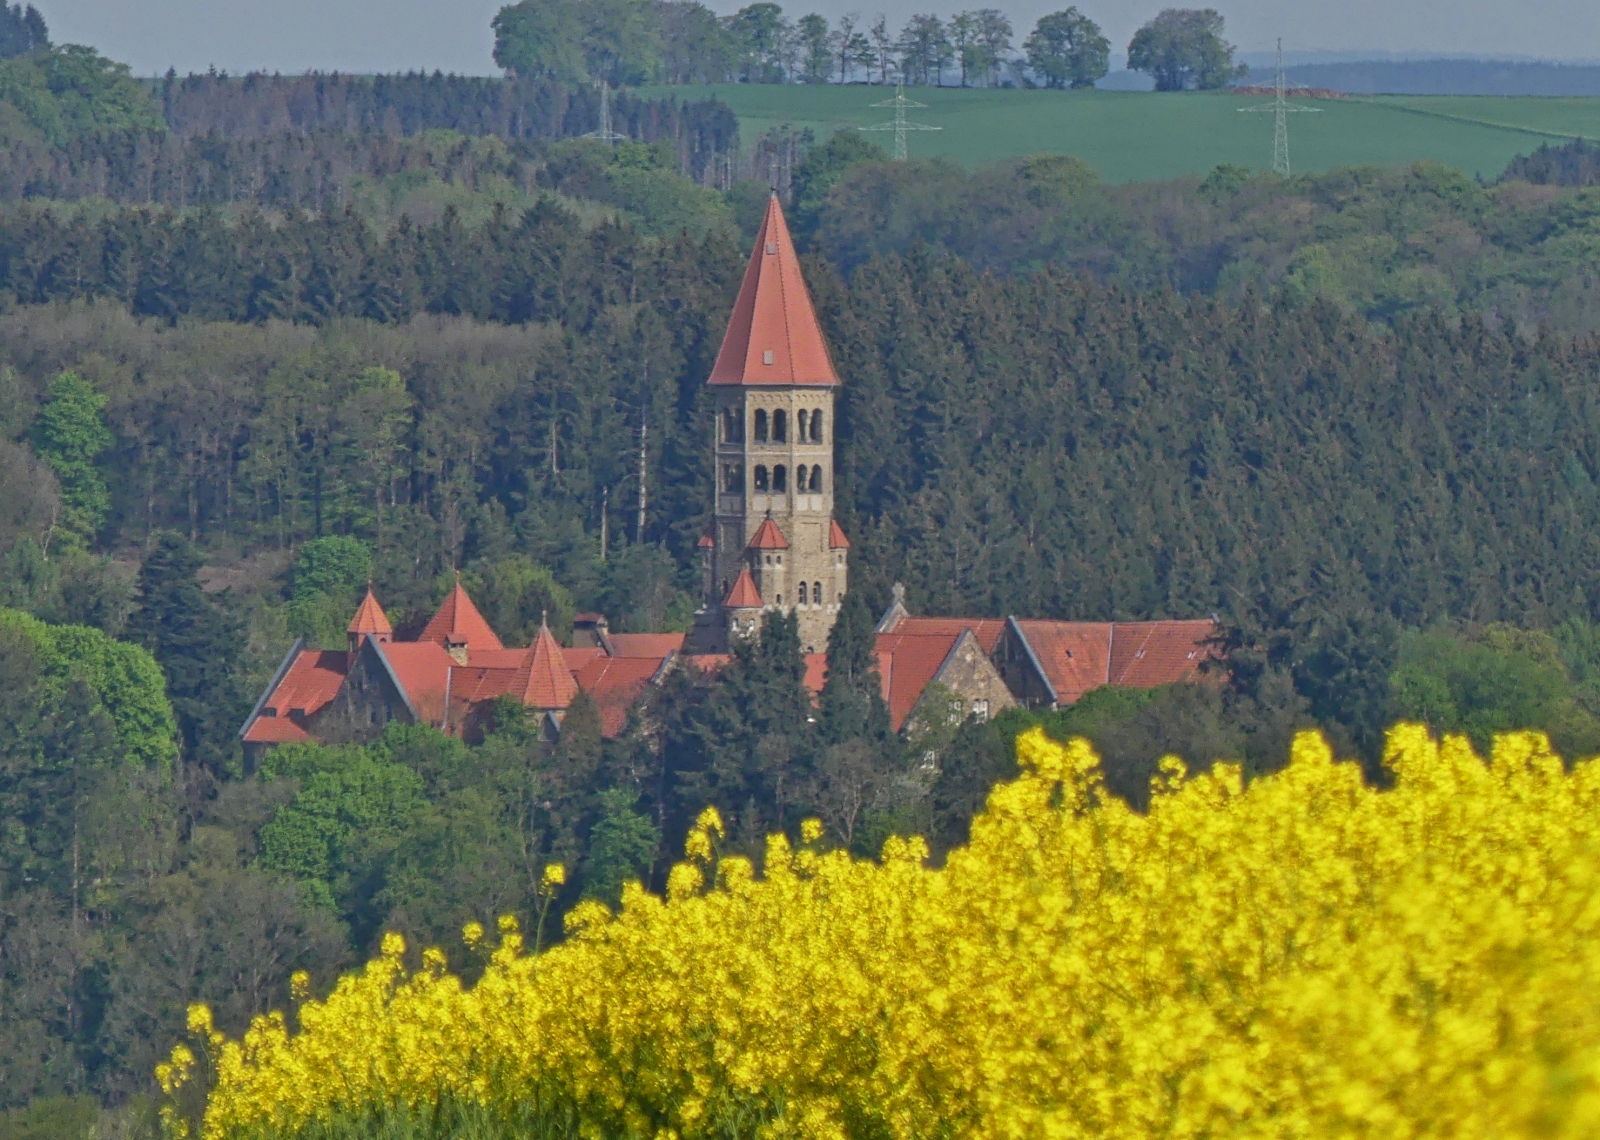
x,y
767,356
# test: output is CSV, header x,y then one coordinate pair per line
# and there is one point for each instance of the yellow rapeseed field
x,y
1305,957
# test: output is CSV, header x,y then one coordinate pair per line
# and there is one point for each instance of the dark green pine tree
x,y
197,645
852,697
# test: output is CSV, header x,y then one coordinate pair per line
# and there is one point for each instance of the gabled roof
x,y
1075,656
773,336
656,645
986,630
907,664
370,617
768,537
421,669
614,684
549,683
275,730
836,538
311,681
743,595
459,622
1149,653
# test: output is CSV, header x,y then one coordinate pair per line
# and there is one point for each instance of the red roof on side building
x,y
986,630
743,595
549,683
311,682
656,645
768,537
836,538
1149,653
773,336
275,730
422,669
1074,655
907,662
614,684
816,672
459,622
370,617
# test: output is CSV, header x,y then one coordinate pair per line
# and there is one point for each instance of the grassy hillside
x,y
1131,136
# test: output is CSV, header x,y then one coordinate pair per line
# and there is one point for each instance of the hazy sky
x,y
396,35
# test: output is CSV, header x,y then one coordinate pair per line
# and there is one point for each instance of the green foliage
x,y
121,679
1067,49
822,166
622,846
71,435
516,594
1183,48
1496,679
22,30
323,583
59,93
615,42
197,644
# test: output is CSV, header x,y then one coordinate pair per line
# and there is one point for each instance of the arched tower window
x,y
780,426
816,592
803,593
733,478
761,477
816,479
780,476
761,425
800,477
732,425
800,425
816,426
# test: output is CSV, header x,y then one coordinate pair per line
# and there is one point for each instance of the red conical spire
x,y
773,336
550,683
458,622
744,595
370,618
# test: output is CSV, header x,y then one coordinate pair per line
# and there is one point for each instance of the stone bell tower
x,y
773,542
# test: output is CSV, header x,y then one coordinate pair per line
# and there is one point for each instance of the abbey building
x,y
773,542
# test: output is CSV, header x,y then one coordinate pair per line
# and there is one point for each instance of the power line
x,y
1281,109
900,125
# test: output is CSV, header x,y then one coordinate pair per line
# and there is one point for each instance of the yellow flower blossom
x,y
1299,958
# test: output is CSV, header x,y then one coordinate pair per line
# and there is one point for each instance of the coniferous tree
x,y
852,705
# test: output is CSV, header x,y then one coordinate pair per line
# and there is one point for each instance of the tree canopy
x,y
1183,49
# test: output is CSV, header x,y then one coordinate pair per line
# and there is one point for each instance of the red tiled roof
x,y
549,682
768,537
1149,653
275,730
706,540
422,669
907,662
577,658
311,682
836,538
773,336
370,617
656,645
743,595
1075,655
986,630
614,683
707,662
816,672
458,621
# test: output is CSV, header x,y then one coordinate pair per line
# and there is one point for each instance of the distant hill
x,y
1443,77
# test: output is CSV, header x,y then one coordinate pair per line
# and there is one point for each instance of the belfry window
x,y
816,479
761,477
761,425
732,426
780,426
816,426
800,477
780,476
733,478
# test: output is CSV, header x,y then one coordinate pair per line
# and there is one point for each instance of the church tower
x,y
773,542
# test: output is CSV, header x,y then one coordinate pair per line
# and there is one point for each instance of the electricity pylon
x,y
605,133
1281,110
899,125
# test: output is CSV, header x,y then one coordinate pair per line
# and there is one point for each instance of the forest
x,y
263,340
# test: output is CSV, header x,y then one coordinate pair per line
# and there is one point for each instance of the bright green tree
x,y
1067,49
71,435
622,845
1183,48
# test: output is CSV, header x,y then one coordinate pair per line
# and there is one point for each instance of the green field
x,y
1130,136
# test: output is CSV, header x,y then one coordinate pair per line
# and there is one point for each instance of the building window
x,y
780,599
780,426
980,710
769,560
733,478
780,476
761,425
957,712
816,426
816,479
800,425
800,477
732,425
761,477
802,593
816,592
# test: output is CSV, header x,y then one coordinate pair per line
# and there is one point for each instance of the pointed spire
x,y
744,595
836,538
458,623
370,618
773,336
768,536
550,683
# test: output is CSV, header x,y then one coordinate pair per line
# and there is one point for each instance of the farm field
x,y
1133,136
